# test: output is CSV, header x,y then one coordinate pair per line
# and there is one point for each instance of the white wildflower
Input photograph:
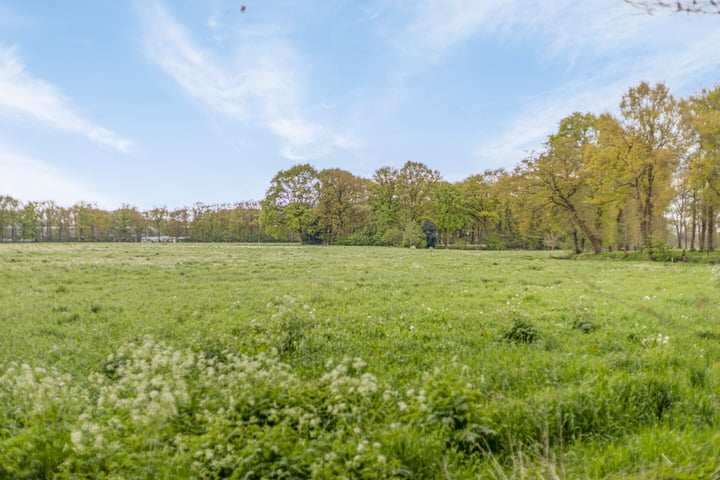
x,y
76,437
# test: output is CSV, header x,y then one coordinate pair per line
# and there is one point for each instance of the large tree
x,y
450,211
342,204
641,153
290,202
30,228
157,218
385,206
90,222
128,224
9,217
415,184
703,172
561,176
481,206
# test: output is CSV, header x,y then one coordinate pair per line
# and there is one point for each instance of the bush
x,y
521,332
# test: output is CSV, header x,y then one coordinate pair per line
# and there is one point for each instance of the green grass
x,y
246,361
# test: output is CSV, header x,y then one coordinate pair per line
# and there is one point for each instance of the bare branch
x,y
705,7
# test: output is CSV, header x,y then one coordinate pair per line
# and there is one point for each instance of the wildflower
x,y
76,438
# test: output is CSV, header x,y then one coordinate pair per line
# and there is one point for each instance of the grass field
x,y
247,361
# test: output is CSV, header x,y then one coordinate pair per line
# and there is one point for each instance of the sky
x,y
172,102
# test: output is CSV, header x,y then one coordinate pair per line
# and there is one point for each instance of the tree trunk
x,y
576,241
693,233
594,239
711,229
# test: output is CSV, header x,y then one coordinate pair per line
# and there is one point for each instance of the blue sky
x,y
172,102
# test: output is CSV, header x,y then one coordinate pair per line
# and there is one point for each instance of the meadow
x,y
141,361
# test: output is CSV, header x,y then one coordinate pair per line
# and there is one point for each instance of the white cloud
x,y
22,94
261,85
28,179
529,129
605,49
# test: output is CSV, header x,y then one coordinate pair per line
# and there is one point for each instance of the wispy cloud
x,y
600,49
260,85
621,48
28,179
22,94
528,130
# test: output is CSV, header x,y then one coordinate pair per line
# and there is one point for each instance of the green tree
x,y
201,224
9,215
30,222
481,204
385,206
246,221
178,225
415,184
157,218
128,224
703,172
641,153
90,223
49,213
342,203
290,203
562,177
450,210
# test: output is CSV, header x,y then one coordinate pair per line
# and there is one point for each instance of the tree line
x,y
48,221
647,178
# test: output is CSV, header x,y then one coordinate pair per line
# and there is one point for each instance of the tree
x,y
703,172
30,222
561,176
385,206
90,222
509,190
158,219
201,225
179,223
49,214
481,205
681,208
128,224
642,152
415,184
290,202
450,212
342,203
9,213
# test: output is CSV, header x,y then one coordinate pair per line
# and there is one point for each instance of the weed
x,y
521,332
584,326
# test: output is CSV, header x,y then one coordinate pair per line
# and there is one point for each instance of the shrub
x,y
521,332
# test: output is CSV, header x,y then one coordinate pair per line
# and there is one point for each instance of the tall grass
x,y
233,361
